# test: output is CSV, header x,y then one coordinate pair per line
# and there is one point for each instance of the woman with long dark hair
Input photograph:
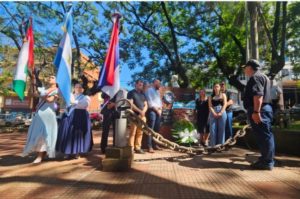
x,y
202,117
42,133
217,117
75,133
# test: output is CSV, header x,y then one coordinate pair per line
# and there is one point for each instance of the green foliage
x,y
199,41
185,132
183,124
5,80
293,35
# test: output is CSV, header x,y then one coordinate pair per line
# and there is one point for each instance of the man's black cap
x,y
253,63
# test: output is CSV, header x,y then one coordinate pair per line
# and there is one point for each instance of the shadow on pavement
x,y
208,162
158,187
12,160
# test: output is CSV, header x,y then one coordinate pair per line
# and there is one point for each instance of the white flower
x,y
194,135
186,135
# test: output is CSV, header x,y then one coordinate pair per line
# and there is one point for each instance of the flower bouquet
x,y
185,132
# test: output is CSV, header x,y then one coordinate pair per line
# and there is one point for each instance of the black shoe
x,y
205,144
260,166
157,148
139,151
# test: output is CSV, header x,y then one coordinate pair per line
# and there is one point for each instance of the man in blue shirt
x,y
154,112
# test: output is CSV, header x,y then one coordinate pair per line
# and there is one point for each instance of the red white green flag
x,y
25,62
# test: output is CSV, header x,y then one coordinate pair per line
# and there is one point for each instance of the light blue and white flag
x,y
63,59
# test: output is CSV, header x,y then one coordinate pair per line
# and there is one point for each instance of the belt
x,y
151,108
264,104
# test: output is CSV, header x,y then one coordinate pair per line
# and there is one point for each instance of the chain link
x,y
160,140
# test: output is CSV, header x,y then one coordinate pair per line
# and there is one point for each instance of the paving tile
x,y
164,190
121,191
84,192
256,175
164,174
276,190
289,177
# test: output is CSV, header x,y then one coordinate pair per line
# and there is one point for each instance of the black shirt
x,y
105,109
258,85
138,98
202,110
228,96
217,102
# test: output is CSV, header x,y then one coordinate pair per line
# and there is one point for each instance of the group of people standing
x,y
214,115
146,103
72,136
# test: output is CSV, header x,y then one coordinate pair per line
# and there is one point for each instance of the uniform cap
x,y
253,63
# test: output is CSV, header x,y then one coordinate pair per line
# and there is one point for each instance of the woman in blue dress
x,y
42,133
74,132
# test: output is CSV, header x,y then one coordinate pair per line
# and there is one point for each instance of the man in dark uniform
x,y
109,117
257,101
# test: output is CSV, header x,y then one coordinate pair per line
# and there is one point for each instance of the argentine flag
x,y
63,59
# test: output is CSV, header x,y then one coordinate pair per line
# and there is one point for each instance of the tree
x,y
87,33
293,32
252,7
278,37
199,41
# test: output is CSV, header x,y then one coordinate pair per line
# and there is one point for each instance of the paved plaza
x,y
164,174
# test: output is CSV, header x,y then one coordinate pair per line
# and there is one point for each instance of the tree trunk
x,y
179,69
252,7
278,61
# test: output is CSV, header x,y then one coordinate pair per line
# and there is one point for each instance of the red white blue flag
x,y
109,81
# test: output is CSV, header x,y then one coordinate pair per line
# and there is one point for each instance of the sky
x,y
125,72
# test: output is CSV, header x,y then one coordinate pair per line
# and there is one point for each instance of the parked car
x,y
295,111
10,119
239,114
2,120
28,119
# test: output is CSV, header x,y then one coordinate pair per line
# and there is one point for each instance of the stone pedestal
x,y
117,159
121,132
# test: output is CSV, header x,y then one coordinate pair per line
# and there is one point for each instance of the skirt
x,y
42,133
75,133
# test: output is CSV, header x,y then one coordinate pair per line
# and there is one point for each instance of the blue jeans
x,y
264,135
153,120
228,129
217,127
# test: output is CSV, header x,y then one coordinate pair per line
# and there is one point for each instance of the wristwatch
x,y
256,112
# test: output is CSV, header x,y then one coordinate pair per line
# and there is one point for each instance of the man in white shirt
x,y
154,112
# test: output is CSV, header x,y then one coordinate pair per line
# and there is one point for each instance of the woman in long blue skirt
x,y
74,132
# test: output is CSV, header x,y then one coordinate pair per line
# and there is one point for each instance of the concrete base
x,y
117,159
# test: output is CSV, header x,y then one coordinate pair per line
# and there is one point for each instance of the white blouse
x,y
80,101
